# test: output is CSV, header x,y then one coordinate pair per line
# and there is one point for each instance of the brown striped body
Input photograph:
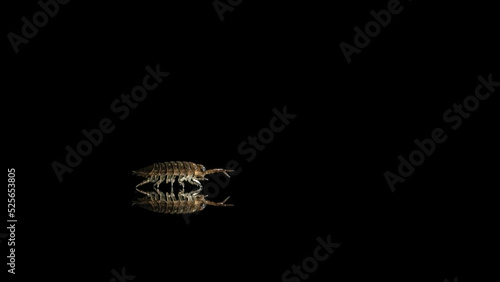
x,y
169,204
169,171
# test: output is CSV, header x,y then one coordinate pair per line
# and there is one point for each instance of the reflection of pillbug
x,y
167,203
184,171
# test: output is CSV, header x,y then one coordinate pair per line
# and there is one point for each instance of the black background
x,y
322,175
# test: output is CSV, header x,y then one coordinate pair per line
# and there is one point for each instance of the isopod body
x,y
169,171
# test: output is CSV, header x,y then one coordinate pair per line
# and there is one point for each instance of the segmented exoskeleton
x,y
169,204
184,171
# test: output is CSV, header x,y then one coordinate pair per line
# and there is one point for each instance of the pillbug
x,y
168,171
167,203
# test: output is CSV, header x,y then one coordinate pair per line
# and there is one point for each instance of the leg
x,y
195,182
143,182
154,196
174,203
161,195
162,201
172,197
181,195
182,185
162,177
154,201
145,193
172,180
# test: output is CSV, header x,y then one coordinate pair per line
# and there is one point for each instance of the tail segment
x,y
217,170
144,172
220,204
